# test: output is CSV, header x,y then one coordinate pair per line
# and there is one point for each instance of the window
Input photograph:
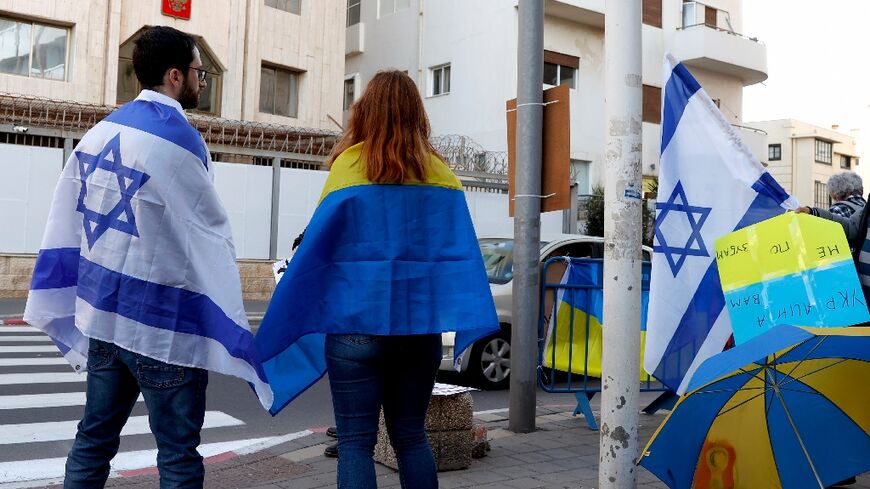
x,y
292,6
652,13
774,152
824,151
349,92
845,161
209,98
33,49
387,7
560,69
440,79
279,91
652,104
822,199
353,12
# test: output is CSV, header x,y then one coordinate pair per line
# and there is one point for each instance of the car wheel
x,y
490,361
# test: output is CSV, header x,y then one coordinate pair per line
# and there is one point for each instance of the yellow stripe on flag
x,y
348,170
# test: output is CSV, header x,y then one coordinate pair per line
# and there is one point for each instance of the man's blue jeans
x,y
175,397
398,373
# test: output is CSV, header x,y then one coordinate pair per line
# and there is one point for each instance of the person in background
x,y
846,190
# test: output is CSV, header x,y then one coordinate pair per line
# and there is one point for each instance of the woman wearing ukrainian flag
x,y
389,261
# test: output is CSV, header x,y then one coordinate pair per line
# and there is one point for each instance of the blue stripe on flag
x,y
162,121
165,307
705,306
679,89
767,185
56,268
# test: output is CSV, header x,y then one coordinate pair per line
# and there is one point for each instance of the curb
x,y
222,457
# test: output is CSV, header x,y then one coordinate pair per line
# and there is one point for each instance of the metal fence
x,y
569,352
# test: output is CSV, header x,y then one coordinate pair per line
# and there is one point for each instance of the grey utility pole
x,y
620,365
527,216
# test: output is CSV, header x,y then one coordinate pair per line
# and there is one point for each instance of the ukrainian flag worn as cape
x,y
380,260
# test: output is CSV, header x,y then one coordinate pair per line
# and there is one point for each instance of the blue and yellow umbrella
x,y
787,409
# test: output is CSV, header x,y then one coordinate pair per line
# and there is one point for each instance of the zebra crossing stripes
x,y
52,468
27,348
38,424
41,378
66,430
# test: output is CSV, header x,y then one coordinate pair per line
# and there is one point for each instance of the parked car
x,y
487,362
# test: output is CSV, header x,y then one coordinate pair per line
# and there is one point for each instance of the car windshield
x,y
498,258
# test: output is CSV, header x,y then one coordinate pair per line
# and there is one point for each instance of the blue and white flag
x,y
710,184
138,250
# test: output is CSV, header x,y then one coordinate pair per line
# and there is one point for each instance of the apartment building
x,y
802,157
463,56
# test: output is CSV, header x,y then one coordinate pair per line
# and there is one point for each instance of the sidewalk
x,y
562,453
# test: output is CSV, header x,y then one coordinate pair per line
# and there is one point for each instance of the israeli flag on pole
x,y
710,184
138,250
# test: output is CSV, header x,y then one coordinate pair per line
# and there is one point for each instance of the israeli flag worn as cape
x,y
377,260
710,184
138,250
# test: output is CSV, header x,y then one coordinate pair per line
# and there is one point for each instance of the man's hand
x,y
803,210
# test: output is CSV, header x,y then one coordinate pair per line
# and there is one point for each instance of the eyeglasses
x,y
200,73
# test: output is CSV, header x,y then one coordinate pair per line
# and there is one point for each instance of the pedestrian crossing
x,y
42,400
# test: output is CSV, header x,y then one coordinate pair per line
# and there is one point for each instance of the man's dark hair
x,y
159,49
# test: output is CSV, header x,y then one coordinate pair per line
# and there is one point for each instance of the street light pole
x,y
527,216
620,363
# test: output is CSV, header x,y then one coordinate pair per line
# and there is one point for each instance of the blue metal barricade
x,y
570,332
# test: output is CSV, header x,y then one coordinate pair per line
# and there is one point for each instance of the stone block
x,y
449,429
4,265
21,265
452,449
450,413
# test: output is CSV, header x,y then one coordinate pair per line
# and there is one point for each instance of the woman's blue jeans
x,y
398,373
175,397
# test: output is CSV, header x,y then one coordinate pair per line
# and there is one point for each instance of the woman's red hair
x,y
391,120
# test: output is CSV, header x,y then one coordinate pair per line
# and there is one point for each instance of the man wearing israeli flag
x,y
136,280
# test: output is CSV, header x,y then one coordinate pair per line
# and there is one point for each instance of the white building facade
x,y
463,56
802,157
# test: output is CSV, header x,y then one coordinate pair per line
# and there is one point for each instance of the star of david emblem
x,y
695,215
120,217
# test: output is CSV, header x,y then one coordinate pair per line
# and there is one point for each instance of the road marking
x,y
19,329
41,378
32,361
66,430
20,338
28,349
47,468
46,400
491,411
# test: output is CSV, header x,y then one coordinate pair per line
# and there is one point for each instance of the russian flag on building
x,y
138,250
710,184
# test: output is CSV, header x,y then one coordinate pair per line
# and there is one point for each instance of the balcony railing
x,y
695,15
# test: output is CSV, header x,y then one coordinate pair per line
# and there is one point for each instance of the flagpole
x,y
622,252
527,216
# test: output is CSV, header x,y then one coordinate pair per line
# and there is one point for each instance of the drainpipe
x,y
421,78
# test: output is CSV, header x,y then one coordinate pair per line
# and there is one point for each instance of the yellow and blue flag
x,y
574,338
377,259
